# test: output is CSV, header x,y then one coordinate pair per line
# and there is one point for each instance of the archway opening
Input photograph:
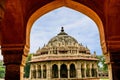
x,y
39,71
97,21
44,71
54,71
70,4
72,71
88,70
63,71
94,71
33,71
42,37
79,27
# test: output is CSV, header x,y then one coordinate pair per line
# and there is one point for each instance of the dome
x,y
62,38
63,44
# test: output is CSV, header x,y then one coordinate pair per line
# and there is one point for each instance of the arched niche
x,y
54,71
63,71
72,71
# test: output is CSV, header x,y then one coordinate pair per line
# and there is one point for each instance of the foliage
x,y
101,63
2,70
27,67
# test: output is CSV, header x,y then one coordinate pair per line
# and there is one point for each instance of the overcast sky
x,y
76,24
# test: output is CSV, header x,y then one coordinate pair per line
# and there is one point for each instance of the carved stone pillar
x,y
85,70
59,70
36,68
68,68
97,71
113,61
79,72
14,57
30,75
42,71
49,71
90,70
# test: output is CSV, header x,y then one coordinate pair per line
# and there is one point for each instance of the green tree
x,y
2,70
101,63
27,66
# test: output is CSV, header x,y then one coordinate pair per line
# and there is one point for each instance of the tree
x,y
2,70
27,67
101,63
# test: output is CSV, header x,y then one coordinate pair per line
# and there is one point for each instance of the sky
x,y
75,24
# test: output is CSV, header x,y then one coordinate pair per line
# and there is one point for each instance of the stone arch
x,y
34,71
44,71
70,4
54,71
39,71
87,70
63,71
72,71
94,71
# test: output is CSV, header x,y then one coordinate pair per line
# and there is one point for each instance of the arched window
x,y
54,71
94,71
39,71
72,71
82,71
88,70
63,71
34,72
44,71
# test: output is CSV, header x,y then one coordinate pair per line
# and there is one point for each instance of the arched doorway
x,y
34,72
107,19
87,70
44,71
94,71
54,71
63,71
39,71
70,4
72,71
52,28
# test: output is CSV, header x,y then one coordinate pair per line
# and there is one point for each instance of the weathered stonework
x,y
63,53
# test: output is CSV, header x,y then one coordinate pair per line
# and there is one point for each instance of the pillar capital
x,y
14,53
14,56
112,57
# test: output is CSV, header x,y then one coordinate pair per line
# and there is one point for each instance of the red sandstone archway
x,y
15,36
73,5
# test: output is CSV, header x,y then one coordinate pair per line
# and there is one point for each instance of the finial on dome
x,y
62,29
62,32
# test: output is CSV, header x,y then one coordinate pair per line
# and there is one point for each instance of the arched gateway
x,y
17,17
64,58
